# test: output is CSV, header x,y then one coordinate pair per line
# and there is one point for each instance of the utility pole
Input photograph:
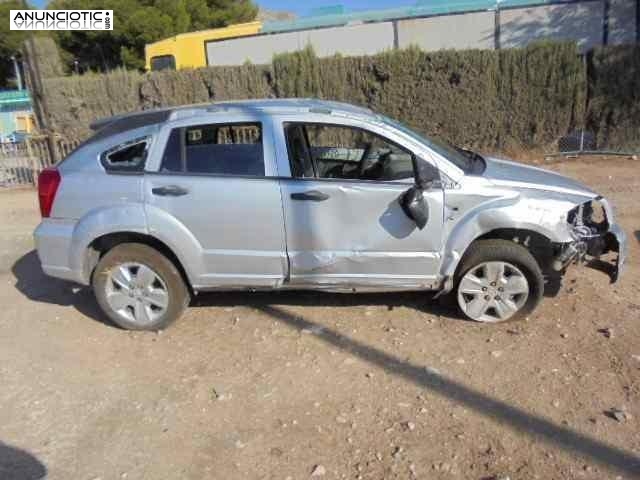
x,y
16,67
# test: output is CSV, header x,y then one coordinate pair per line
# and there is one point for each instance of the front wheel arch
x,y
541,247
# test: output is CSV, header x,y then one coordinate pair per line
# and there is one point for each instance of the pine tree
x,y
138,22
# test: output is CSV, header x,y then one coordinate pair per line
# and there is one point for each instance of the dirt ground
x,y
280,385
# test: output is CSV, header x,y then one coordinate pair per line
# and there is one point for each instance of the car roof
x,y
129,121
295,105
147,120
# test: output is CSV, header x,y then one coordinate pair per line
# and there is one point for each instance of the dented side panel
x,y
359,236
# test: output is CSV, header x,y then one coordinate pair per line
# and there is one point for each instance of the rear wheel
x,y
138,288
498,280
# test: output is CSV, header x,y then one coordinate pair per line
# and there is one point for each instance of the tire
x,y
139,288
481,262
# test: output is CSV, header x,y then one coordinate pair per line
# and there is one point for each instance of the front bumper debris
x,y
595,235
616,242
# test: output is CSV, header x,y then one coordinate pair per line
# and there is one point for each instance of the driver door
x,y
344,225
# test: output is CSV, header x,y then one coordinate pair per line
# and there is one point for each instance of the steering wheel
x,y
363,159
385,157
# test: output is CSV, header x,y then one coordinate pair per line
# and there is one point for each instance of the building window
x,y
163,62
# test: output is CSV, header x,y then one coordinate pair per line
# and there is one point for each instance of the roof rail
x,y
323,110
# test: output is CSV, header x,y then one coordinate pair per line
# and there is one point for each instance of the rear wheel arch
x,y
104,243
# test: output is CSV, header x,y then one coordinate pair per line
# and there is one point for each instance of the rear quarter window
x,y
126,157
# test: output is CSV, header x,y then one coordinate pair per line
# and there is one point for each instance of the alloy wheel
x,y
136,293
492,291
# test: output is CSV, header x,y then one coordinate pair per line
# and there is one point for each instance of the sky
x,y
303,8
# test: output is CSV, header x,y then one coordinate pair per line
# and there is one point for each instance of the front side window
x,y
127,157
340,151
217,149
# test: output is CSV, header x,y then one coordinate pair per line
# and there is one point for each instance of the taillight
x,y
48,183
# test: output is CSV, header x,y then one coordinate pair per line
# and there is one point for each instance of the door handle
x,y
170,191
311,195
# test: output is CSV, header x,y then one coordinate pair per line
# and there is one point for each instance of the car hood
x,y
512,174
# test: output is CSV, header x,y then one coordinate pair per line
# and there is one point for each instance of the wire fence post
x,y
33,161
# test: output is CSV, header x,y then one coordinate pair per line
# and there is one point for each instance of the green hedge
x,y
614,97
480,98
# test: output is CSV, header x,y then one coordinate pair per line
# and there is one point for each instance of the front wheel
x,y
138,288
498,280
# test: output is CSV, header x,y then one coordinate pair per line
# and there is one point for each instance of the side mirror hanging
x,y
415,206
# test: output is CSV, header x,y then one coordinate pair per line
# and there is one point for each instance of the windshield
x,y
465,160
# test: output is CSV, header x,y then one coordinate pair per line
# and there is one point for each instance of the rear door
x,y
344,224
215,198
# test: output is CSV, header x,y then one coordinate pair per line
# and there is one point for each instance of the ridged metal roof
x,y
423,8
11,97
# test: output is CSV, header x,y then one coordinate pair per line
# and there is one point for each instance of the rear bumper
x,y
53,238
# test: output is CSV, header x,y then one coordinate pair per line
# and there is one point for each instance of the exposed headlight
x,y
590,219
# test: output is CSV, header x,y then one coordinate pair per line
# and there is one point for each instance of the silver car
x,y
307,194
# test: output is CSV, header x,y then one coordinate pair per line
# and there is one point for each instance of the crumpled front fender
x,y
544,213
618,243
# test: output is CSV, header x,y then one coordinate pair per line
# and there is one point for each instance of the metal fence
x,y
584,142
21,163
16,166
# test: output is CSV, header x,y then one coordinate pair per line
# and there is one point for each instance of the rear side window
x,y
215,149
126,157
163,62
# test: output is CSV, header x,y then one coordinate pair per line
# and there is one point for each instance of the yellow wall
x,y
188,49
25,122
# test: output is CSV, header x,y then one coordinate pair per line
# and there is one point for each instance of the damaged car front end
x,y
580,222
595,235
